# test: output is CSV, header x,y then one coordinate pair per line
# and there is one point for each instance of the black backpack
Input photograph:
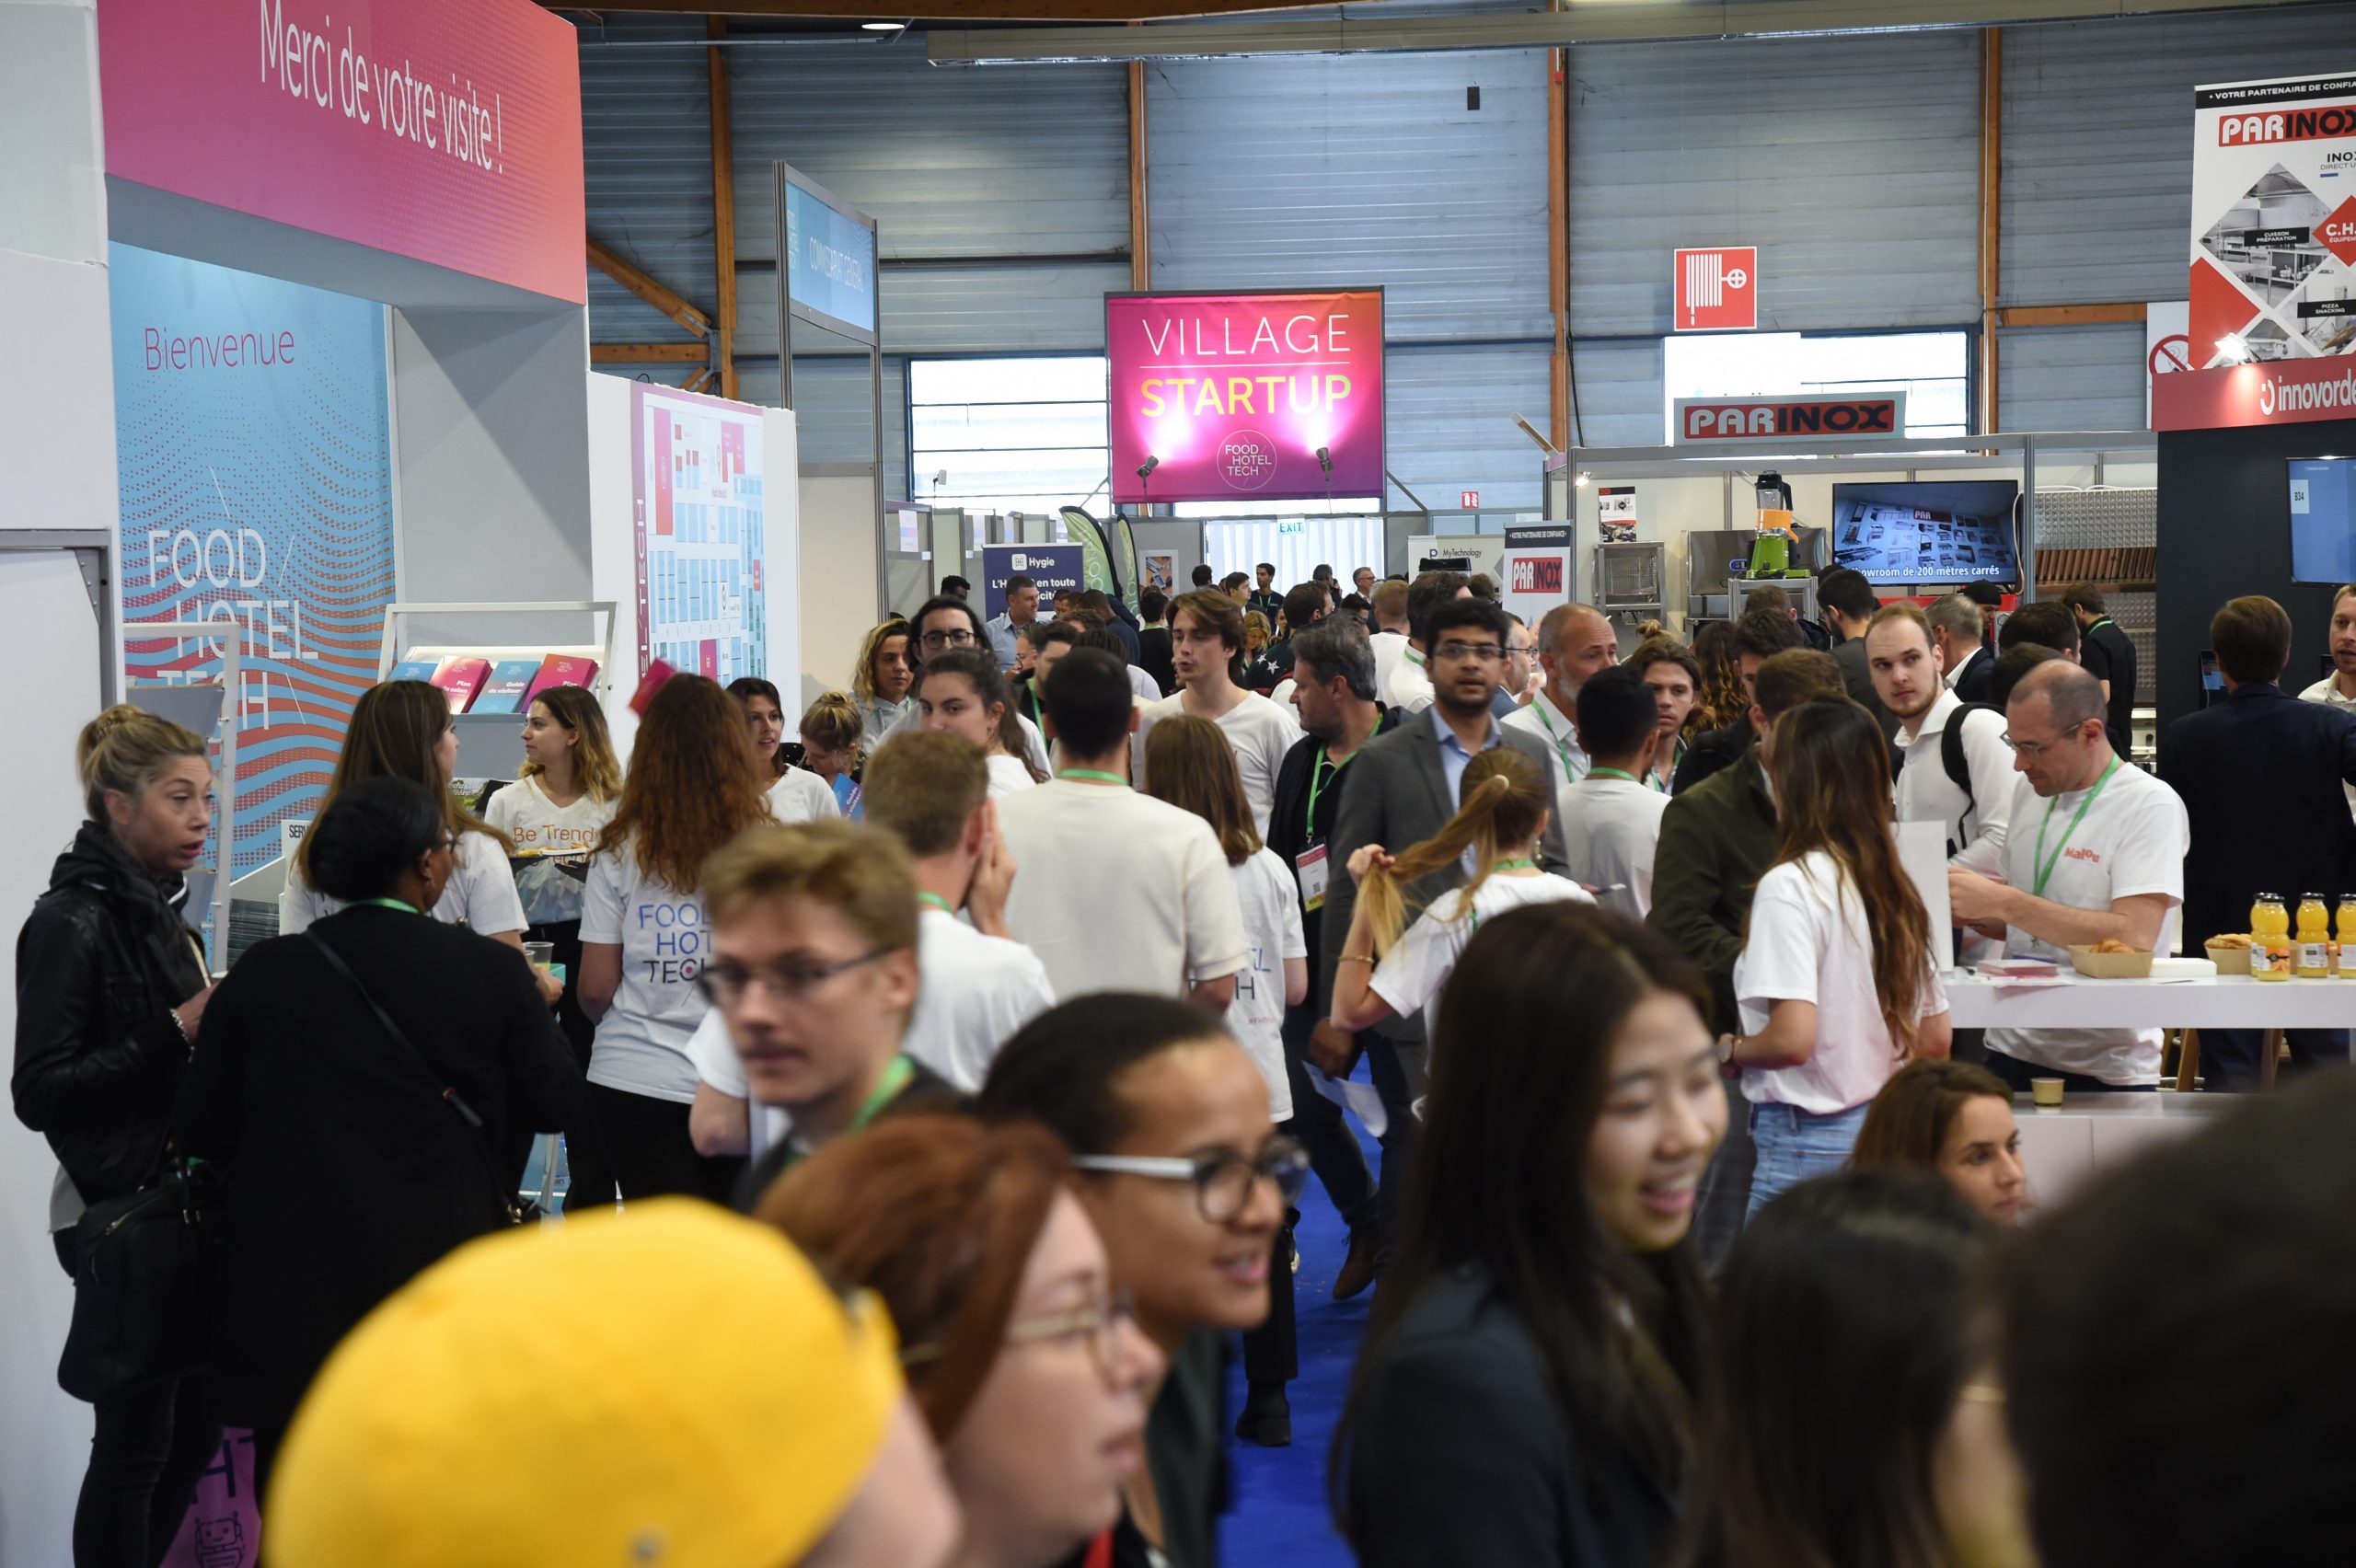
x,y
1958,767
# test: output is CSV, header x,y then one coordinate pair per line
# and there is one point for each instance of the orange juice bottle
x,y
2315,938
2269,938
2347,966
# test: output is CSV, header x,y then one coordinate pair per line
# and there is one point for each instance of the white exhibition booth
x,y
497,468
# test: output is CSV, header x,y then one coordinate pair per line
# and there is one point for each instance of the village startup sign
x,y
1787,419
1223,397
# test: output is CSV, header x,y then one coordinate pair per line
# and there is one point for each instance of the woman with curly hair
x,y
880,682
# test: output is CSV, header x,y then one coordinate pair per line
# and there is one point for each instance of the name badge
x,y
1310,868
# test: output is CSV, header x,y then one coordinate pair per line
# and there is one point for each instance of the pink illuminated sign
x,y
1230,396
446,131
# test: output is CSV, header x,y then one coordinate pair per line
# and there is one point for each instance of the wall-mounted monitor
x,y
1945,530
2323,519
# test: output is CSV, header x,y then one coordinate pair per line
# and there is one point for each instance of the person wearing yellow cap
x,y
777,1433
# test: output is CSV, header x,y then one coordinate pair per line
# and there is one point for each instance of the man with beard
x,y
1334,669
1934,726
1574,644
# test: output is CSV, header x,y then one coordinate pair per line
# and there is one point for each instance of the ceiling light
x,y
882,27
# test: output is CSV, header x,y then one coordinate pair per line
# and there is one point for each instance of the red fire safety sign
x,y
1716,291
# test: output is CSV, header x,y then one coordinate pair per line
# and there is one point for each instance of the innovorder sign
x,y
446,130
1232,396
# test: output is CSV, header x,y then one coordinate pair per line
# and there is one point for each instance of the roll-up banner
x,y
2274,251
1230,397
1536,572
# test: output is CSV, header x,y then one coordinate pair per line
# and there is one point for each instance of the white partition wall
x,y
839,525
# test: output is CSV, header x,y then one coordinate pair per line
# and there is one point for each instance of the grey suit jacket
x,y
1398,796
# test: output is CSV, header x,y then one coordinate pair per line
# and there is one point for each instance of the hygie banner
x,y
2274,220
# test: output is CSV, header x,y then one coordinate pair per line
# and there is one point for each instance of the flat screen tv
x,y
1946,531
2323,519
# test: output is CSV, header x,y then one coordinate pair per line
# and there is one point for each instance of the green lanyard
x,y
1541,703
1522,865
1611,773
887,1089
1322,773
1093,774
2043,867
1415,658
389,903
936,901
1676,756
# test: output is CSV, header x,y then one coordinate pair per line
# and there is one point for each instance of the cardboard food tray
x,y
2230,959
2110,965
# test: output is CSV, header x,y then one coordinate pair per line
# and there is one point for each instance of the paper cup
x,y
2046,1092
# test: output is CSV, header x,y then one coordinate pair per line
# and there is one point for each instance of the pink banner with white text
x,y
446,130
1233,397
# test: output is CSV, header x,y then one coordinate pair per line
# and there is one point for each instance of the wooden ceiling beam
x,y
646,286
649,353
964,12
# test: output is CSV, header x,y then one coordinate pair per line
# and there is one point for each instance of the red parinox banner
x,y
1230,397
446,130
2266,392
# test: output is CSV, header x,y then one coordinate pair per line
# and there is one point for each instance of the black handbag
x,y
510,1203
143,1287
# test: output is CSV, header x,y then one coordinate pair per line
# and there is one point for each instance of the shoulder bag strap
x,y
448,1093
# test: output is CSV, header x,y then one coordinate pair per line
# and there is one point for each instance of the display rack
x,y
600,649
231,634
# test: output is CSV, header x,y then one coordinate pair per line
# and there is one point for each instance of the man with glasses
x,y
811,974
1206,644
1404,785
1574,644
1521,663
2093,852
943,623
1022,609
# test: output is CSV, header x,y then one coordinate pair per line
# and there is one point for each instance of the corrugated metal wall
x,y
646,157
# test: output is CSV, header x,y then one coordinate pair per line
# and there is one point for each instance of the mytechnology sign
x,y
446,130
1230,396
2283,392
1787,419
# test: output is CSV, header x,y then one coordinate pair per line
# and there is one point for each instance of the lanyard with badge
x,y
1310,865
2042,866
1561,749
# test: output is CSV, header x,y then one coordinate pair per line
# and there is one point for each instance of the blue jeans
x,y
1796,1146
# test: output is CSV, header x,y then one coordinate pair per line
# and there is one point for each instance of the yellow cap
x,y
675,1385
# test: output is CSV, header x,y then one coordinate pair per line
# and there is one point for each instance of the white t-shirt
x,y
1389,648
1143,686
642,1043
554,843
1271,906
1411,974
1408,687
800,795
1809,943
2327,691
480,895
1925,793
910,719
973,993
1258,730
1567,764
1007,775
712,1053
2132,841
1611,828
1116,891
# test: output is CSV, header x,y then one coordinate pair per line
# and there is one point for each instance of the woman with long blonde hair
x,y
832,736
1837,984
403,730
1388,969
694,784
881,680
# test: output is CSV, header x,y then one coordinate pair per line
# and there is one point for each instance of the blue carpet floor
x,y
1280,1519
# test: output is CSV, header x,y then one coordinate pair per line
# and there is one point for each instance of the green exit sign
x,y
1292,525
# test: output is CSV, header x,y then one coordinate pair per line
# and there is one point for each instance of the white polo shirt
x,y
1925,793
2132,841
1567,764
1389,647
1810,942
1610,829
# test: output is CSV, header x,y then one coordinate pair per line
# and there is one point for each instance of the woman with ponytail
x,y
1388,968
111,988
1836,981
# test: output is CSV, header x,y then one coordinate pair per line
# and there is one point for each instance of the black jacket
x,y
1154,657
1978,670
1716,841
2261,774
1458,1454
1713,751
348,1174
100,964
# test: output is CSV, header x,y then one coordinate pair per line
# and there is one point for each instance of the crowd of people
x,y
938,1088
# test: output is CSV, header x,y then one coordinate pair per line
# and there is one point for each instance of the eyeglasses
x,y
1487,652
2035,749
1094,1325
947,639
1518,649
725,985
1223,1182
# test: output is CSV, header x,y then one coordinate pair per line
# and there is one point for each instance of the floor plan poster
x,y
253,453
702,602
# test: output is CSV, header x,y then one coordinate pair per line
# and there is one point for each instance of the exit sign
x,y
1469,500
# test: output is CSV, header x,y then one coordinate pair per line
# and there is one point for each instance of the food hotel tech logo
x,y
1247,459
